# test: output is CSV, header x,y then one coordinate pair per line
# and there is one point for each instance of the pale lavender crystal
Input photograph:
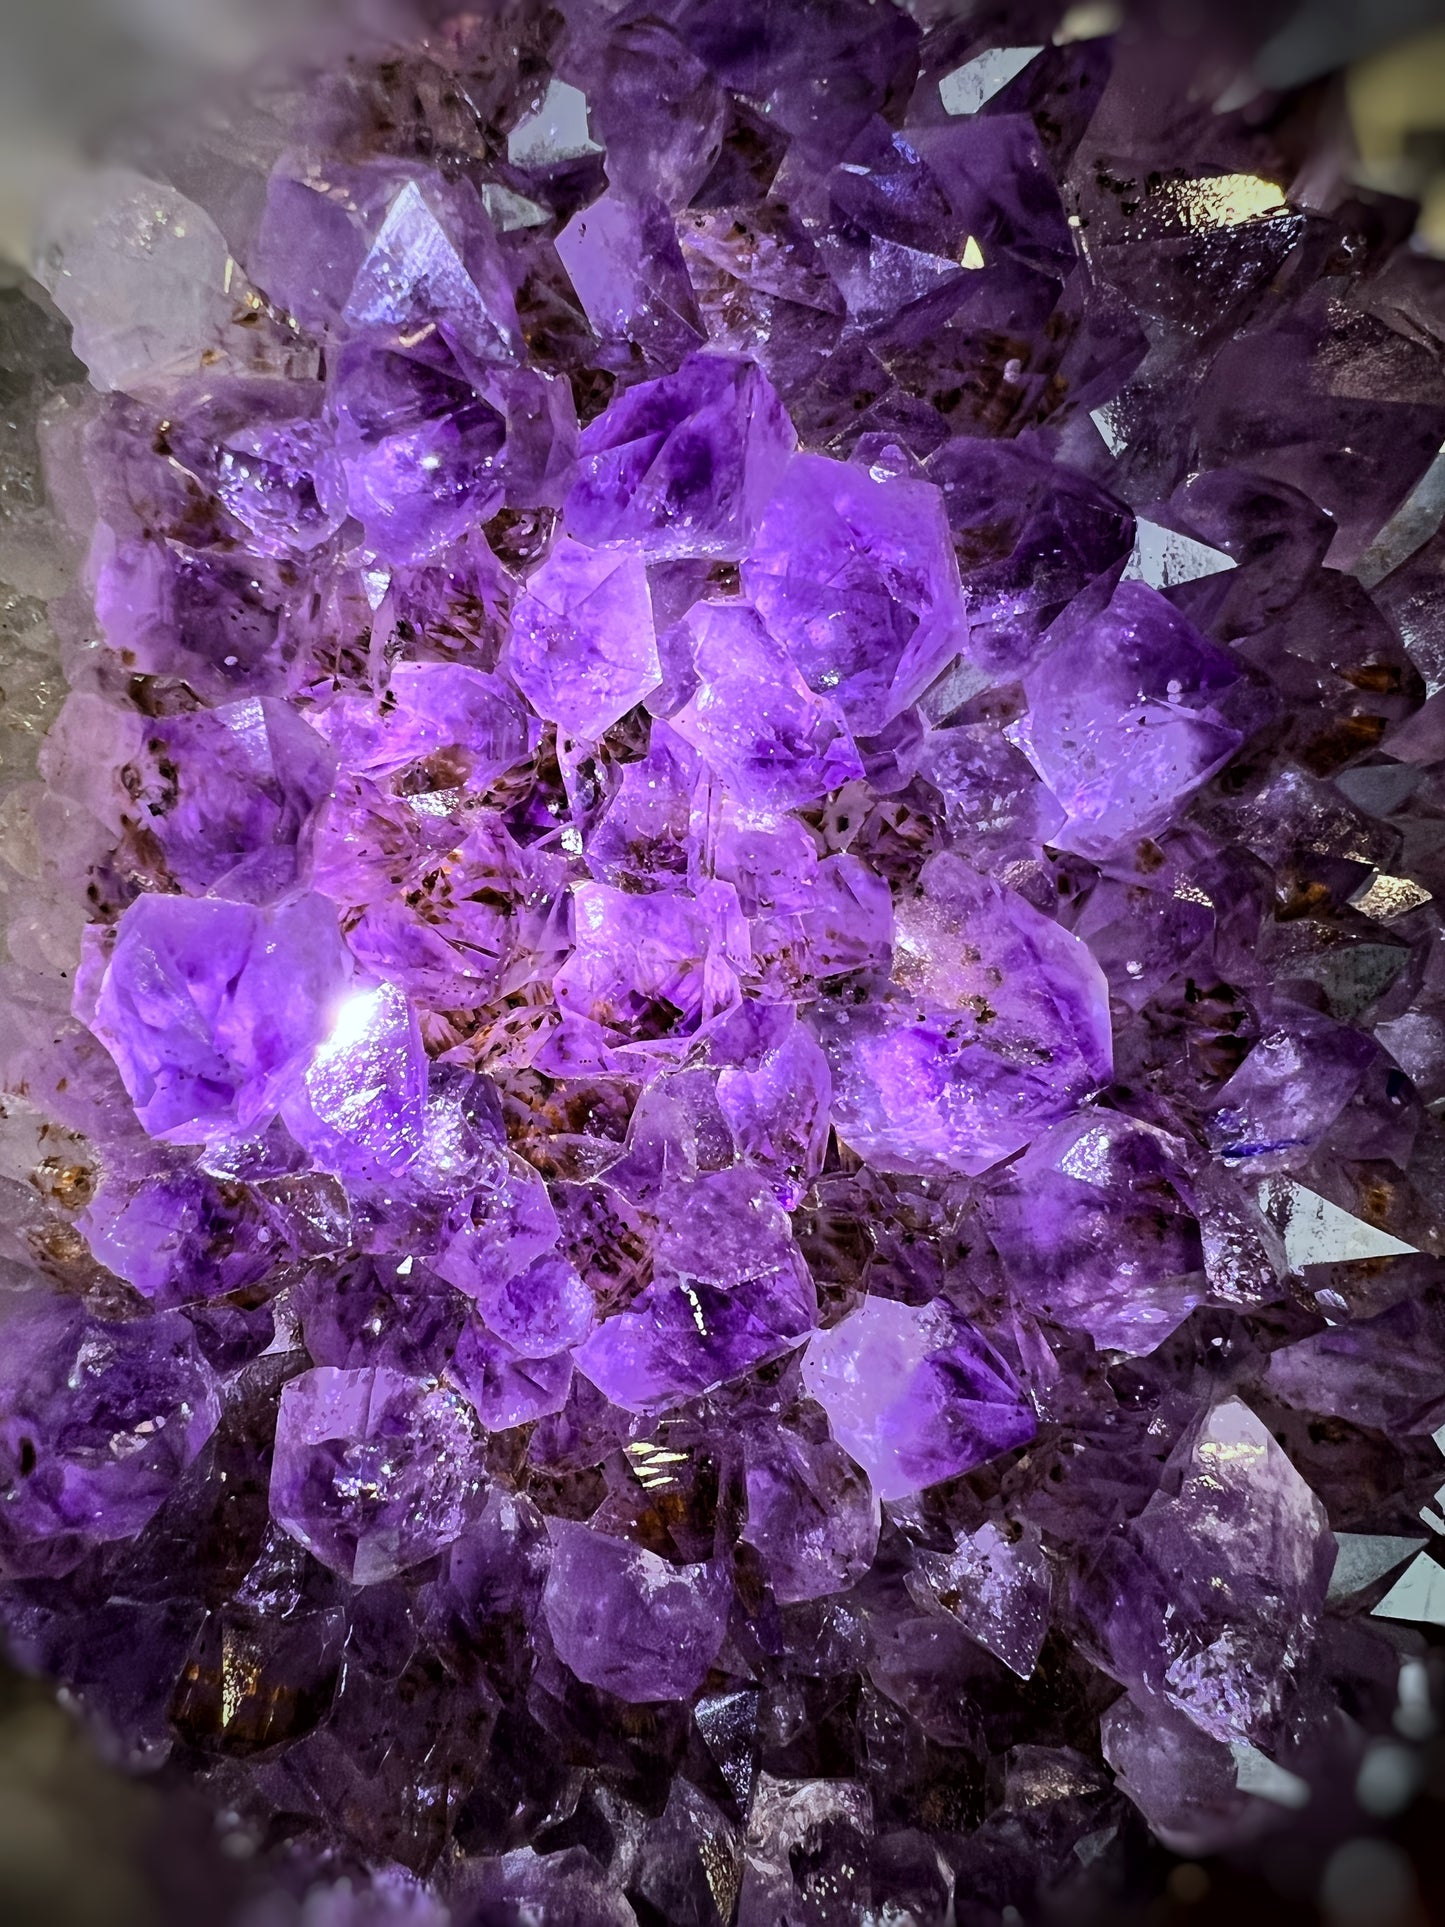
x,y
998,1027
227,792
282,480
643,838
502,1221
357,1107
505,1387
915,1394
316,229
583,650
777,1107
435,261
652,965
1212,1597
219,623
1185,1783
1094,1232
812,1516
99,1421
849,922
180,1235
1125,720
386,248
682,466
463,723
624,261
996,1583
753,720
374,1471
730,1291
624,1619
213,1011
418,449
993,802
857,577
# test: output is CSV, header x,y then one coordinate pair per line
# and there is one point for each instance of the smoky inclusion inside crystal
x,y
724,1030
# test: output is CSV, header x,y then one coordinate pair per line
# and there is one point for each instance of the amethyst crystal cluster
x,y
724,1198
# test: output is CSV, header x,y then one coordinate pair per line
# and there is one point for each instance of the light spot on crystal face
x,y
1223,200
968,87
557,131
1089,20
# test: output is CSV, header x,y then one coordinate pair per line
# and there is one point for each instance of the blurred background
x,y
81,1844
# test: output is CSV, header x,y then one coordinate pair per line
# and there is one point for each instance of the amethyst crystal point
x,y
625,263
812,1516
682,466
435,262
1125,722
1038,546
227,792
753,720
996,1583
730,1292
583,650
856,577
998,1024
624,1619
649,966
438,719
419,450
358,1107
374,1471
1211,1598
1094,1234
915,1394
181,1234
97,1422
505,1387
213,1011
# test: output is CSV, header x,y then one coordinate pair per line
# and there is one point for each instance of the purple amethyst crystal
x,y
100,1419
624,1619
1220,1582
227,792
682,466
915,1394
583,651
855,574
213,1011
753,720
995,1026
812,1516
730,1292
374,1471
1125,721
1094,1233
722,1033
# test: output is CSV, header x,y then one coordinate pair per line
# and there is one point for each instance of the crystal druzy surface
x,y
724,1018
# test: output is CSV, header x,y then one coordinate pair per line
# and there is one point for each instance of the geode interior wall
x,y
723,1013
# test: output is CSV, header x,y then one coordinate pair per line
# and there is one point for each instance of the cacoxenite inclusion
x,y
746,1023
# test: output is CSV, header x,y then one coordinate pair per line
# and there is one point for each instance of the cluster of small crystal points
x,y
723,1199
